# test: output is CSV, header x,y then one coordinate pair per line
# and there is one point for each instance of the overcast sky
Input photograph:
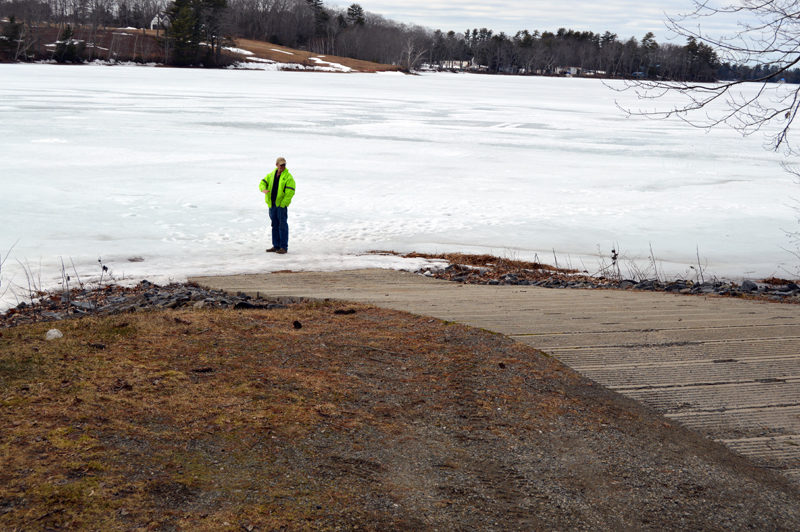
x,y
626,18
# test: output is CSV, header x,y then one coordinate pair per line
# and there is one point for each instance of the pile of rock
x,y
770,289
113,299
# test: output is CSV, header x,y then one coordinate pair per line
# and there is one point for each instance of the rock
x,y
781,289
53,334
83,305
704,288
783,293
646,285
676,286
749,286
626,284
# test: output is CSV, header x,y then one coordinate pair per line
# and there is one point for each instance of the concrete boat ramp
x,y
727,368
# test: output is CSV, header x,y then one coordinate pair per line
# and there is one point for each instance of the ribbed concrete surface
x,y
727,368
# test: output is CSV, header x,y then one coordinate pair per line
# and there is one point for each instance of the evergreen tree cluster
x,y
195,32
576,52
198,29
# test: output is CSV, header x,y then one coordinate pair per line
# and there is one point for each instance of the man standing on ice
x,y
278,189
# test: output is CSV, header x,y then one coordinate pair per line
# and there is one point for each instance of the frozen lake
x,y
163,165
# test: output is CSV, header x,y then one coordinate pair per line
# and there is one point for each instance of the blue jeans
x,y
279,216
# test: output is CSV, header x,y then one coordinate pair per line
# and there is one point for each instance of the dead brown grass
x,y
282,54
202,420
499,265
331,416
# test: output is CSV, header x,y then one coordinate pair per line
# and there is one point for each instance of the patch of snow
x,y
334,67
272,66
239,51
253,65
114,63
282,51
53,334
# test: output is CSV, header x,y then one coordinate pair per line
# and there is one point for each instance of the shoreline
x,y
491,270
113,298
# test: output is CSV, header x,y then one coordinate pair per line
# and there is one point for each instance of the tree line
x,y
195,32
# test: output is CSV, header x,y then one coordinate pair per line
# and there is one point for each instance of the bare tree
x,y
413,52
768,35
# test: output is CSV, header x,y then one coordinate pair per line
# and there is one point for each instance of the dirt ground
x,y
338,417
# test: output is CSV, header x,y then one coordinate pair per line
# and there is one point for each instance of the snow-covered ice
x,y
164,164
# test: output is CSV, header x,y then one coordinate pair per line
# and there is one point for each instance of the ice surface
x,y
164,164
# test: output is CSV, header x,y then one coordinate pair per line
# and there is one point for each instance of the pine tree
x,y
195,31
355,15
68,50
321,16
185,31
11,34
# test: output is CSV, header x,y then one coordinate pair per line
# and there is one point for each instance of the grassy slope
x,y
283,54
372,419
267,50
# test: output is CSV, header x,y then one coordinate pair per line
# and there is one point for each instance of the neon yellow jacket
x,y
285,188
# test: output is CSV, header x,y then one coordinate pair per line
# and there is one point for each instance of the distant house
x,y
160,21
475,67
454,64
567,71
